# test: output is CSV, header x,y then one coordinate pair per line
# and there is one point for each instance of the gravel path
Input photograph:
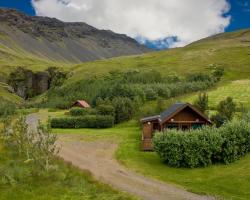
x,y
98,158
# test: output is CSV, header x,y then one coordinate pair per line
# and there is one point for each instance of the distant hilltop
x,y
54,39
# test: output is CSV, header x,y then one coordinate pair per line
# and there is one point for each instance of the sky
x,y
159,24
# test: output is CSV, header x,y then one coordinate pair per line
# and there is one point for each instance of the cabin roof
x,y
171,111
151,118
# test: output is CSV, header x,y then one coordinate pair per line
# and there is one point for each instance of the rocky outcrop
x,y
27,84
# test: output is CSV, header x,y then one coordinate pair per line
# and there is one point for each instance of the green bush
x,y
105,110
66,122
124,109
81,111
236,141
78,111
87,121
205,146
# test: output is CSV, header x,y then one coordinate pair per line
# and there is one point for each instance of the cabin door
x,y
185,127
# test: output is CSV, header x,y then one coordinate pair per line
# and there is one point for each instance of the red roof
x,y
82,103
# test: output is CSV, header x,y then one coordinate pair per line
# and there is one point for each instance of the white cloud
x,y
188,20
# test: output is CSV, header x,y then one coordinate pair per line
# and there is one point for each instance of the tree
x,y
104,109
160,105
202,102
124,109
226,110
218,73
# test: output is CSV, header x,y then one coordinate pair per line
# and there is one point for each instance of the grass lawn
x,y
227,181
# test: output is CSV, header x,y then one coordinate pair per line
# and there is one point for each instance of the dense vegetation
x,y
122,94
205,146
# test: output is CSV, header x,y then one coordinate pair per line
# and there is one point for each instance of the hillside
x,y
228,50
39,42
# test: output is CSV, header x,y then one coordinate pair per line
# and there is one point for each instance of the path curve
x,y
98,158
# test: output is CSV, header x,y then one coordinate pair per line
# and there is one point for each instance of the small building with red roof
x,y
81,104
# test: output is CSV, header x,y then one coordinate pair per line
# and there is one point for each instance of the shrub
x,y
236,141
151,94
202,102
36,146
78,111
203,147
218,72
81,111
87,121
124,109
105,110
227,108
196,77
66,122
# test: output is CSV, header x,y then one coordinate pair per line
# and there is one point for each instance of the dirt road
x,y
98,158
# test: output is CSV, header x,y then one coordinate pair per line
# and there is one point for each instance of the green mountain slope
x,y
228,50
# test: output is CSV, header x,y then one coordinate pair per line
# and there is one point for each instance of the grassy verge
x,y
226,181
21,180
6,95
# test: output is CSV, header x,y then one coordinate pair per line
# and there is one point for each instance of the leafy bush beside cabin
x,y
205,146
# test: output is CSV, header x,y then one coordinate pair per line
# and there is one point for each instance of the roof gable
x,y
172,111
82,103
178,107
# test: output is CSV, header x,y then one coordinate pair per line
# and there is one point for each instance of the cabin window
x,y
196,126
171,126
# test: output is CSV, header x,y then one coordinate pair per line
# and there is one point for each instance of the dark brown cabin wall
x,y
187,115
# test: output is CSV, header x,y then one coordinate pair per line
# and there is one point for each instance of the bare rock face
x,y
27,84
40,83
75,42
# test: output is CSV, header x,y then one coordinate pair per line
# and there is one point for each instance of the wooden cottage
x,y
181,116
81,104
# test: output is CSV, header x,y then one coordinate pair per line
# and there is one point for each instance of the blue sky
x,y
239,12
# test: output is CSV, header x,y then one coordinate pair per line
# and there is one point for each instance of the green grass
x,y
238,90
22,181
66,182
226,181
6,95
230,51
